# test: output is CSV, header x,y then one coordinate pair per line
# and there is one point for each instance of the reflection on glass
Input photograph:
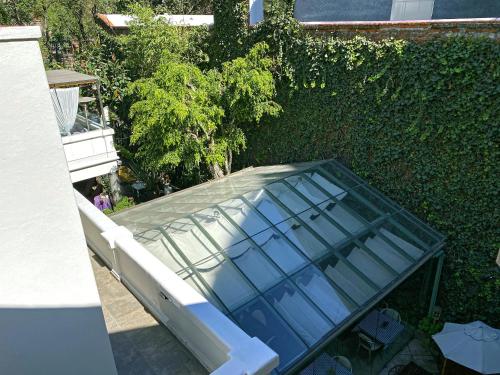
x,y
310,191
244,216
322,226
327,185
299,312
367,264
291,200
262,273
360,208
218,227
280,251
405,219
190,241
341,216
402,240
265,204
303,239
257,319
374,199
226,282
349,281
315,285
387,252
346,179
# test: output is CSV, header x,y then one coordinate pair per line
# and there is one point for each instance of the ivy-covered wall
x,y
421,122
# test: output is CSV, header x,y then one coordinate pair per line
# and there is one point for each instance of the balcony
x,y
87,140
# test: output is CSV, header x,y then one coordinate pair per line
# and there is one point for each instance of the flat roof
x,y
293,253
122,21
62,78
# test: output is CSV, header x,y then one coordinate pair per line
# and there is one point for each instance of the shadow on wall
x,y
57,340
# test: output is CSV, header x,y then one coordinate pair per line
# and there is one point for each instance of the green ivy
x,y
419,121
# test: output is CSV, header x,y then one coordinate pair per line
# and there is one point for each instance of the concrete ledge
x,y
11,33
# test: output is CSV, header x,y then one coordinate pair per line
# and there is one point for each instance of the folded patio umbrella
x,y
474,345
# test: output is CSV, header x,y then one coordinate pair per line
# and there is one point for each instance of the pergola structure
x,y
293,254
62,78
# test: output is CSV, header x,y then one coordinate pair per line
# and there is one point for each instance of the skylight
x,y
289,253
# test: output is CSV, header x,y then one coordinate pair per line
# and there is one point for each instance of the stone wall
x,y
409,30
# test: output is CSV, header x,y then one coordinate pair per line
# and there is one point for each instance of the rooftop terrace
x,y
140,344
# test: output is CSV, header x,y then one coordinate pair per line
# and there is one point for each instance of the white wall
x,y
90,154
51,320
220,345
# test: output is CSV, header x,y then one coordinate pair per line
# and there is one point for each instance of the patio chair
x,y
344,361
367,343
392,314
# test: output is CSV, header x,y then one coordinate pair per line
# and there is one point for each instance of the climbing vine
x,y
419,121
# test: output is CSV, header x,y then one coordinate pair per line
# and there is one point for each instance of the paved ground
x,y
141,345
414,351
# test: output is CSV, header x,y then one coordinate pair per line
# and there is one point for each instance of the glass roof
x,y
289,253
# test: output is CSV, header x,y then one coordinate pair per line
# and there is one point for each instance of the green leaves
x,y
420,121
182,115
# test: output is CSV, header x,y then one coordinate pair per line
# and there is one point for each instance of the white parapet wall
x,y
90,154
220,345
51,320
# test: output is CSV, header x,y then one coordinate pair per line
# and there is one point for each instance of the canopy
x,y
474,345
293,254
67,78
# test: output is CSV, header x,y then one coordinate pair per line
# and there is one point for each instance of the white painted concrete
x,y
220,345
51,320
90,154
123,20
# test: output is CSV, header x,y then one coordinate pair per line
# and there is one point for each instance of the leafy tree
x,y
151,40
186,116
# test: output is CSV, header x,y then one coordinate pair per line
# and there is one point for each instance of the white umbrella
x,y
474,345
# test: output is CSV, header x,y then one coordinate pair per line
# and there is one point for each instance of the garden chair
x,y
344,361
369,344
392,314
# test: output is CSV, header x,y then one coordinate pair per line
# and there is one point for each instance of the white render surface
x,y
51,320
219,344
90,154
123,20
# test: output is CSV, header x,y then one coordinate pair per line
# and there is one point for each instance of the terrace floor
x,y
404,349
140,344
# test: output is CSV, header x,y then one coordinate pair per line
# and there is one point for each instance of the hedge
x,y
419,121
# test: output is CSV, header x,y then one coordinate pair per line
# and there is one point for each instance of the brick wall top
x,y
417,30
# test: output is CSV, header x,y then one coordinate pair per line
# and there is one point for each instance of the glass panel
x,y
244,216
302,238
341,216
360,208
189,239
218,227
386,252
415,228
322,226
226,282
347,179
257,319
315,285
381,204
260,271
265,204
401,239
344,276
291,200
310,191
280,251
326,184
299,312
367,264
